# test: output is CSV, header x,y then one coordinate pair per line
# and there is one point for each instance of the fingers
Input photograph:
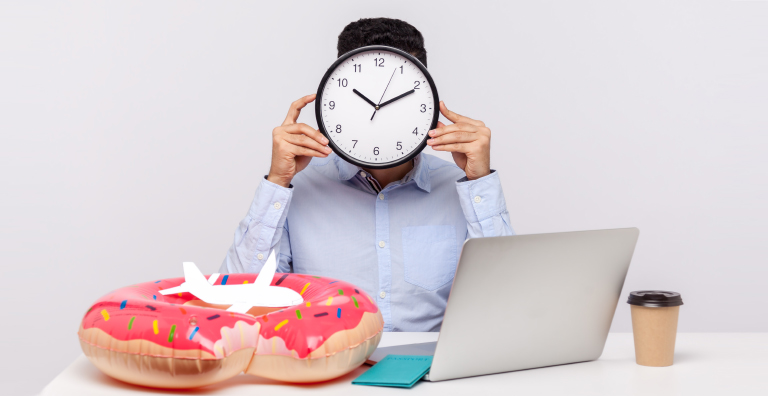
x,y
456,137
305,130
456,118
307,152
306,142
459,137
295,109
454,147
443,130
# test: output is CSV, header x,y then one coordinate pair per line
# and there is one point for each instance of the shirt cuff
x,y
270,203
481,198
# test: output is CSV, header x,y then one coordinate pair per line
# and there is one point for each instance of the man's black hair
x,y
383,31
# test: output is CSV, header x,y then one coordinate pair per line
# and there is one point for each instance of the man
x,y
396,233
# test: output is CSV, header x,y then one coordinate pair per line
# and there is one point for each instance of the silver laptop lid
x,y
529,301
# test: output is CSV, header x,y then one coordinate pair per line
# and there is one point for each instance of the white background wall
x,y
134,135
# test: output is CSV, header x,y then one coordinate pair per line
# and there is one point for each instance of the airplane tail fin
x,y
192,274
193,280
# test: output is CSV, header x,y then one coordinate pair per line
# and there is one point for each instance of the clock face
x,y
376,105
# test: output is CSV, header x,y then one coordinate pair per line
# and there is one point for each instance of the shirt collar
x,y
419,173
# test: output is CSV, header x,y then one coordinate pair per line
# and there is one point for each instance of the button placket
x,y
384,258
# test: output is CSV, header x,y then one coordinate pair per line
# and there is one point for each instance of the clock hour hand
x,y
370,102
396,98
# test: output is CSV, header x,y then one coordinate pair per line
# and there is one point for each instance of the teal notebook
x,y
402,371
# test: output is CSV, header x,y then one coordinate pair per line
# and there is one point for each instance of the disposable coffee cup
x,y
654,326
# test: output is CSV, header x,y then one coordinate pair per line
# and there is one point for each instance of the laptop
x,y
527,301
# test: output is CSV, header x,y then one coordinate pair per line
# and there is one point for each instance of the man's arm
x,y
484,206
482,200
264,228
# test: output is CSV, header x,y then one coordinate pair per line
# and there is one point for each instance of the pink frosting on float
x,y
139,312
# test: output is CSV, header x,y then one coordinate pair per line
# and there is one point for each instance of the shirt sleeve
x,y
260,231
482,201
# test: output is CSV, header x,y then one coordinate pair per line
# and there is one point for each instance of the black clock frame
x,y
319,107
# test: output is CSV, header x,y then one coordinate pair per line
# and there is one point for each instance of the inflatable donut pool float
x,y
139,336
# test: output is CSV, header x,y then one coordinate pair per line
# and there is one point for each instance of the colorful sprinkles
x,y
122,304
170,333
130,323
105,314
193,333
282,278
281,324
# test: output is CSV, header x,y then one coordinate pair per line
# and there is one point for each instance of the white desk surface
x,y
705,364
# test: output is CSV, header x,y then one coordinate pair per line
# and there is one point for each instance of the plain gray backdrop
x,y
134,135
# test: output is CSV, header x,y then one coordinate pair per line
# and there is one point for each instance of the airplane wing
x,y
240,307
212,279
178,289
267,271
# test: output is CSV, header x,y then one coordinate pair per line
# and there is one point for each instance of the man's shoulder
x,y
326,167
440,167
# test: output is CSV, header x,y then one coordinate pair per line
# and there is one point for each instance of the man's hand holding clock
x,y
294,145
468,140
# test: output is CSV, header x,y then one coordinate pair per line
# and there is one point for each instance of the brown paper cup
x,y
654,329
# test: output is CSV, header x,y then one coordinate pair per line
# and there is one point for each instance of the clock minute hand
x,y
396,98
370,102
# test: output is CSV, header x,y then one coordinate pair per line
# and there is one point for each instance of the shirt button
x,y
260,256
382,294
382,244
478,199
363,174
381,196
277,204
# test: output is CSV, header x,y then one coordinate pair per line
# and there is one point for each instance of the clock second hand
x,y
382,95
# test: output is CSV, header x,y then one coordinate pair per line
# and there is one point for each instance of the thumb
x,y
440,124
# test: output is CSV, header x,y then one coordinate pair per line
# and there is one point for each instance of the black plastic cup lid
x,y
655,298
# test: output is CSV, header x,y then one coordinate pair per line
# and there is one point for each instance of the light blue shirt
x,y
401,245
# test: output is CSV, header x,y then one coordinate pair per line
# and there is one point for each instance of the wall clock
x,y
375,105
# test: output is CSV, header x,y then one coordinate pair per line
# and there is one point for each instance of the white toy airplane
x,y
243,296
